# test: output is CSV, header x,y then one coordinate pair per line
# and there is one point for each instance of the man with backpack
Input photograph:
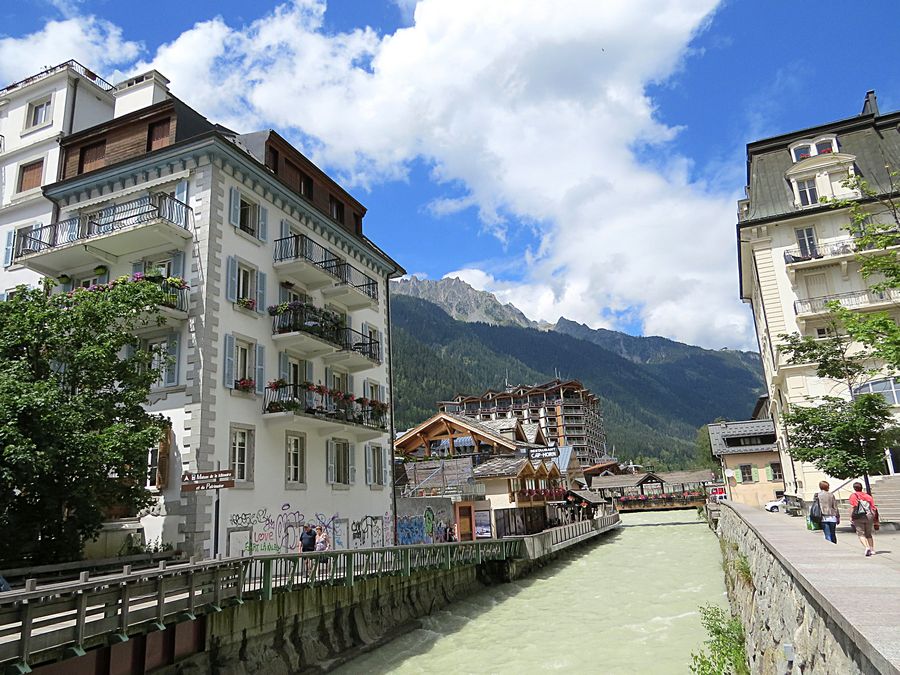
x,y
863,515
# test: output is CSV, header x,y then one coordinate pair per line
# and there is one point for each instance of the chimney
x,y
140,91
870,107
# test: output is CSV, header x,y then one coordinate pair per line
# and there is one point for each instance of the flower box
x,y
247,303
245,385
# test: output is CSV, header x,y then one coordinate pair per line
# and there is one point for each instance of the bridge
x,y
155,617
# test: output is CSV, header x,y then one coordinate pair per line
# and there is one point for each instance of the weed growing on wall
x,y
742,567
724,652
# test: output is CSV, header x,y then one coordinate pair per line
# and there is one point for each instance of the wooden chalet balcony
x,y
538,495
354,290
322,414
149,224
867,299
301,259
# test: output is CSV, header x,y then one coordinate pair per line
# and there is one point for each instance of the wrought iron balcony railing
x,y
301,247
116,217
353,340
308,318
851,300
359,280
305,398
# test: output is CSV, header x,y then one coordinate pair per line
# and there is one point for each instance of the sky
x,y
578,158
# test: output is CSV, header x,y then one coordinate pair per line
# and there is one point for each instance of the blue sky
x,y
583,161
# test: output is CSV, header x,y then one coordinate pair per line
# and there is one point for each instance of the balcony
x,y
321,412
300,258
176,300
794,256
354,289
867,299
146,225
358,351
537,495
306,329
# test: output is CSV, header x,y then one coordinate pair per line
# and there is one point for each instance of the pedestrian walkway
x,y
861,595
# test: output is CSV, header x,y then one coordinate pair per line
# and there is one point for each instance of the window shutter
x,y
282,294
329,462
283,366
310,395
367,450
2,297
172,367
382,393
162,460
260,292
328,382
228,361
231,279
260,369
181,194
263,229
737,475
754,472
364,329
349,384
8,251
285,229
137,267
251,456
387,464
234,210
769,473
351,456
178,264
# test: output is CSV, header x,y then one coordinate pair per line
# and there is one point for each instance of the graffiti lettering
x,y
367,532
249,518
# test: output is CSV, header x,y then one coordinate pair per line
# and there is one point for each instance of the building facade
x,y
751,465
276,324
567,412
796,255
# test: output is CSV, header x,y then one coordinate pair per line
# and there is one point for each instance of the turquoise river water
x,y
627,604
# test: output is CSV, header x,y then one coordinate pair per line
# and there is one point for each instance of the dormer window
x,y
806,149
809,196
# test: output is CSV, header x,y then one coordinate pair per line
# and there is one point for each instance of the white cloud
x,y
533,109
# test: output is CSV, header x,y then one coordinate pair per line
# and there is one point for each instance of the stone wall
x,y
776,608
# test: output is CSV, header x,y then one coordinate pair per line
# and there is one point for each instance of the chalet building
x,y
796,255
661,490
277,321
567,412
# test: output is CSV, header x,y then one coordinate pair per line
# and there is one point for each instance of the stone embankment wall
x,y
777,608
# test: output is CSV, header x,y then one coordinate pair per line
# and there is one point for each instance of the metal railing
x,y
849,300
175,297
356,278
307,318
301,247
304,399
158,206
843,247
39,622
71,63
352,340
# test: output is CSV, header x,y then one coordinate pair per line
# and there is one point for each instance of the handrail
x,y
356,278
300,399
299,246
71,63
307,318
849,300
352,340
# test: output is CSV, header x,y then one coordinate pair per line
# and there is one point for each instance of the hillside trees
x,y
74,435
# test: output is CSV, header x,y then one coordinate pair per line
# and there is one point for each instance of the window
x,y
802,152
777,474
152,466
806,239
248,219
824,147
39,113
807,149
295,461
243,360
807,191
889,388
375,473
340,462
87,282
306,186
296,370
242,454
357,223
372,391
336,209
245,287
339,382
272,158
91,157
159,350
746,473
160,268
297,179
824,333
158,135
30,175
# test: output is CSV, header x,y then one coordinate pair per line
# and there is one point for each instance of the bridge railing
x,y
37,623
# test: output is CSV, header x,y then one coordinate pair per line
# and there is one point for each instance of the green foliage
x,y
651,409
724,653
73,431
703,450
831,356
845,439
742,567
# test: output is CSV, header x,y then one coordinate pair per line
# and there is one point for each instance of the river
x,y
627,604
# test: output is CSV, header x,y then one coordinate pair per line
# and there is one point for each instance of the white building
x,y
285,293
796,254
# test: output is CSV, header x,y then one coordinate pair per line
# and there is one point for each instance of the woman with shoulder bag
x,y
862,515
828,510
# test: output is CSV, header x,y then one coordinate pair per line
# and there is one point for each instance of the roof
x,y
683,477
489,430
531,431
720,431
438,473
563,460
623,481
589,496
500,467
596,469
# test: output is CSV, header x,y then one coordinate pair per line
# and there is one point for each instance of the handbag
x,y
812,524
815,511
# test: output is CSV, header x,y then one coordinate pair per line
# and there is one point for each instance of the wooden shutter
x,y
158,135
769,473
329,461
178,264
292,176
31,175
231,279
228,362
260,369
162,460
285,229
262,232
10,246
137,267
351,457
234,207
367,450
261,292
737,475
284,369
754,473
387,464
172,367
92,157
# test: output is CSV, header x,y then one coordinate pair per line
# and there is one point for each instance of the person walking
x,y
862,515
323,542
830,514
307,544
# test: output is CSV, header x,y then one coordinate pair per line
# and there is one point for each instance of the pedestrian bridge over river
x,y
138,621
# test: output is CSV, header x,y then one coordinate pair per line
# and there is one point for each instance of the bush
x,y
724,652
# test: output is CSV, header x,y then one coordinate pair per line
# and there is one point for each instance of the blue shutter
x,y
349,384
2,297
282,294
260,292
104,278
329,461
8,251
367,451
352,463
172,366
284,369
178,264
234,210
228,362
231,279
310,395
181,194
285,229
260,369
137,267
263,229
387,463
382,393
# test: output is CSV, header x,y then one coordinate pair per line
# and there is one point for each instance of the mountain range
x,y
449,338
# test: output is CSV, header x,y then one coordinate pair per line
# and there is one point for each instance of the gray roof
x,y
439,473
531,430
500,467
589,496
720,431
625,480
874,141
687,477
565,455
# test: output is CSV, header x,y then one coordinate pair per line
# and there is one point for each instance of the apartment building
x,y
567,412
796,254
276,323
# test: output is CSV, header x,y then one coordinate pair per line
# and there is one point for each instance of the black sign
x,y
543,453
206,480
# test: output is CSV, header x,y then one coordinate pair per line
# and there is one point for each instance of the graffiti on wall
x,y
427,528
279,531
367,532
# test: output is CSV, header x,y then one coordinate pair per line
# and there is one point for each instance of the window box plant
x,y
274,385
247,303
245,384
275,407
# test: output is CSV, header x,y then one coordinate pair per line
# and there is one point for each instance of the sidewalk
x,y
861,595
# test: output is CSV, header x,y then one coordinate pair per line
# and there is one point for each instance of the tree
x,y
843,437
703,448
74,434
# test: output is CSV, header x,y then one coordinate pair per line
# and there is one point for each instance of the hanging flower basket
x,y
64,279
100,270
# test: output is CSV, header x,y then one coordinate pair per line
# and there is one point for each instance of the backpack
x,y
815,511
862,509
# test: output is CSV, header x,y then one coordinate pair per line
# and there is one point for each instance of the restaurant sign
x,y
543,453
206,480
